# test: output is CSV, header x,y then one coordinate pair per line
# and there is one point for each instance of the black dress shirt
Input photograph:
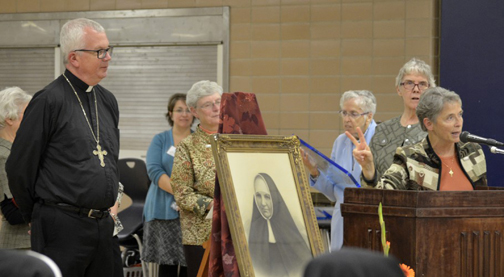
x,y
52,156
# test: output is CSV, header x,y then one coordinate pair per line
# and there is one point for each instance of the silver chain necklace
x,y
98,152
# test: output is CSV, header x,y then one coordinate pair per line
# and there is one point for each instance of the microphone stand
x,y
496,150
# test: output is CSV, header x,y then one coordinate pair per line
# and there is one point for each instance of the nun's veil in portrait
x,y
290,253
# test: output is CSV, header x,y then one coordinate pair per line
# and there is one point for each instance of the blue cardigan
x,y
158,202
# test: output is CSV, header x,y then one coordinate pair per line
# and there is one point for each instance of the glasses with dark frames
x,y
100,53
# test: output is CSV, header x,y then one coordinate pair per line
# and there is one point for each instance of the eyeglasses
x,y
209,105
410,85
353,115
100,53
186,111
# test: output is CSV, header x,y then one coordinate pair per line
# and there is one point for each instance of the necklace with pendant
x,y
98,152
451,171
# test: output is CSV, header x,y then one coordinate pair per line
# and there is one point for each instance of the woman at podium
x,y
438,162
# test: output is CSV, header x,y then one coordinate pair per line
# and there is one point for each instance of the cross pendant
x,y
100,153
451,172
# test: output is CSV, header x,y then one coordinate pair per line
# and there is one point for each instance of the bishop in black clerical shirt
x,y
52,157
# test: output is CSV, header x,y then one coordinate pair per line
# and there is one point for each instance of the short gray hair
x,y
12,101
364,98
72,35
416,66
201,89
432,102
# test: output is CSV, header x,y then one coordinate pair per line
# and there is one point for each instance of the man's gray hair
x,y
364,98
201,89
432,102
416,66
72,35
12,102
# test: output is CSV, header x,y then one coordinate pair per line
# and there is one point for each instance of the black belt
x,y
84,212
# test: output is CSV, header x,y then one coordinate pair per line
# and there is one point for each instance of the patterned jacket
x,y
417,167
193,182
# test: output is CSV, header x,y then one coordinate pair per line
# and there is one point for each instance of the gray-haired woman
x,y
413,79
14,230
438,162
193,174
357,110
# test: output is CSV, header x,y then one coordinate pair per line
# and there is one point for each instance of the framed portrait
x,y
268,203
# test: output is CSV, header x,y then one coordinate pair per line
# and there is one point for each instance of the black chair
x,y
133,176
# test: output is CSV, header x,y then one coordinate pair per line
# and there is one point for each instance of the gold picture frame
x,y
245,164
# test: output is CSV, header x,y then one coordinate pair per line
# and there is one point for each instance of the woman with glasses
x,y
162,234
193,177
357,110
413,79
440,161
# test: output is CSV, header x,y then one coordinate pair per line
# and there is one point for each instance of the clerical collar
x,y
78,83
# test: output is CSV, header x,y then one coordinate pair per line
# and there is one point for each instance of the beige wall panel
x,y
389,10
389,29
325,48
325,121
265,49
356,66
357,29
418,9
240,83
239,50
326,12
271,120
295,85
263,2
419,28
325,30
294,102
325,102
266,15
154,4
266,85
389,103
294,121
265,32
325,84
357,47
295,49
7,6
52,5
357,82
240,15
265,67
359,11
240,67
128,4
419,47
26,6
388,47
269,102
293,67
295,31
323,138
384,84
290,14
100,5
240,32
388,66
325,66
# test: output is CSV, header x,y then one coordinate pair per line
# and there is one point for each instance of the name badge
x,y
171,151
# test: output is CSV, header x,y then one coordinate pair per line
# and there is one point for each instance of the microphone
x,y
467,137
496,150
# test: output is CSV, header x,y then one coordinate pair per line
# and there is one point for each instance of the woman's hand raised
x,y
362,154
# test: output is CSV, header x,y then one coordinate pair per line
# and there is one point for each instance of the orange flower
x,y
408,271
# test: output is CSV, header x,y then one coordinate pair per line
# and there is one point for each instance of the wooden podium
x,y
436,233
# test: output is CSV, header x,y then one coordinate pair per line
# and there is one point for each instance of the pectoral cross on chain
x,y
100,153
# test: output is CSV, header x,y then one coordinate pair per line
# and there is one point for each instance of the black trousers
x,y
80,246
193,255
